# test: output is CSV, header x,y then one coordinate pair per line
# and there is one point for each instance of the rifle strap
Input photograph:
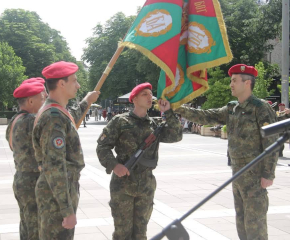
x,y
54,105
11,129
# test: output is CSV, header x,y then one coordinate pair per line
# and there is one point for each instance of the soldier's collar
x,y
132,114
48,101
22,111
245,103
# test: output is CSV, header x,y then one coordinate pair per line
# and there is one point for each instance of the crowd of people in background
x,y
102,114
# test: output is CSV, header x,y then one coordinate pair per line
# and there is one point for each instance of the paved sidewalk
x,y
187,172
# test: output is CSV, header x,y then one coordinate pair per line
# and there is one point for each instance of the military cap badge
x,y
243,68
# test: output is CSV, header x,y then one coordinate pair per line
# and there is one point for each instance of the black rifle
x,y
136,157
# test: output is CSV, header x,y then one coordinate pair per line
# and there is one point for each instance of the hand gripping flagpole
x,y
103,78
175,230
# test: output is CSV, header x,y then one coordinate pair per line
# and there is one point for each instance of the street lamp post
x,y
285,52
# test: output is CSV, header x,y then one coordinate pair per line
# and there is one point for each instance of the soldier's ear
x,y
30,100
60,83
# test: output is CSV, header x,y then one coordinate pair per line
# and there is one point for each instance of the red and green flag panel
x,y
183,37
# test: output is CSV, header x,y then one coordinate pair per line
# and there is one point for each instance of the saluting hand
x,y
287,110
266,183
120,170
91,97
164,105
69,222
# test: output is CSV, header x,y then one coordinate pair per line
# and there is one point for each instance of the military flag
x,y
184,38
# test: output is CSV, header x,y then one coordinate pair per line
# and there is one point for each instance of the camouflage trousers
x,y
132,204
251,204
50,218
24,192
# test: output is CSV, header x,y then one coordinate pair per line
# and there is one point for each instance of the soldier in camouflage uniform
x,y
58,152
30,97
244,119
132,192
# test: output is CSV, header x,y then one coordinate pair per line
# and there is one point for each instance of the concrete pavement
x,y
187,172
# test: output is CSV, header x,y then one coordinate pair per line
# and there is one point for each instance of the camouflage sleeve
x,y
172,132
211,116
27,121
265,116
106,142
8,131
283,117
78,111
52,141
31,118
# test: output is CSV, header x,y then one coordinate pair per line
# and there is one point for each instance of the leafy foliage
x,y
131,68
219,93
264,79
249,26
34,41
280,89
82,76
11,74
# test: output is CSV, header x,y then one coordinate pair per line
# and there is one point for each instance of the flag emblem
x,y
199,39
155,23
179,80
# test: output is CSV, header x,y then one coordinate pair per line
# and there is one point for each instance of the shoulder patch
x,y
58,142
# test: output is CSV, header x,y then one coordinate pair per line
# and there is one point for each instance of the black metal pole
x,y
259,158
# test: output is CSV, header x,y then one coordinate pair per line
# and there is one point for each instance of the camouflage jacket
x,y
23,151
126,132
243,127
282,116
58,150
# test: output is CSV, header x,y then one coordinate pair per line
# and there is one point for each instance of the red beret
x,y
243,69
28,90
138,89
281,104
32,80
270,102
59,70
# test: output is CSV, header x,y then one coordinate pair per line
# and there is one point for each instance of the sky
x,y
74,19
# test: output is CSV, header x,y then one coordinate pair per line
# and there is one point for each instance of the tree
x,y
11,74
266,72
82,76
219,93
34,41
250,25
131,68
280,89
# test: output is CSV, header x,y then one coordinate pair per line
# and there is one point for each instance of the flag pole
x,y
103,78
